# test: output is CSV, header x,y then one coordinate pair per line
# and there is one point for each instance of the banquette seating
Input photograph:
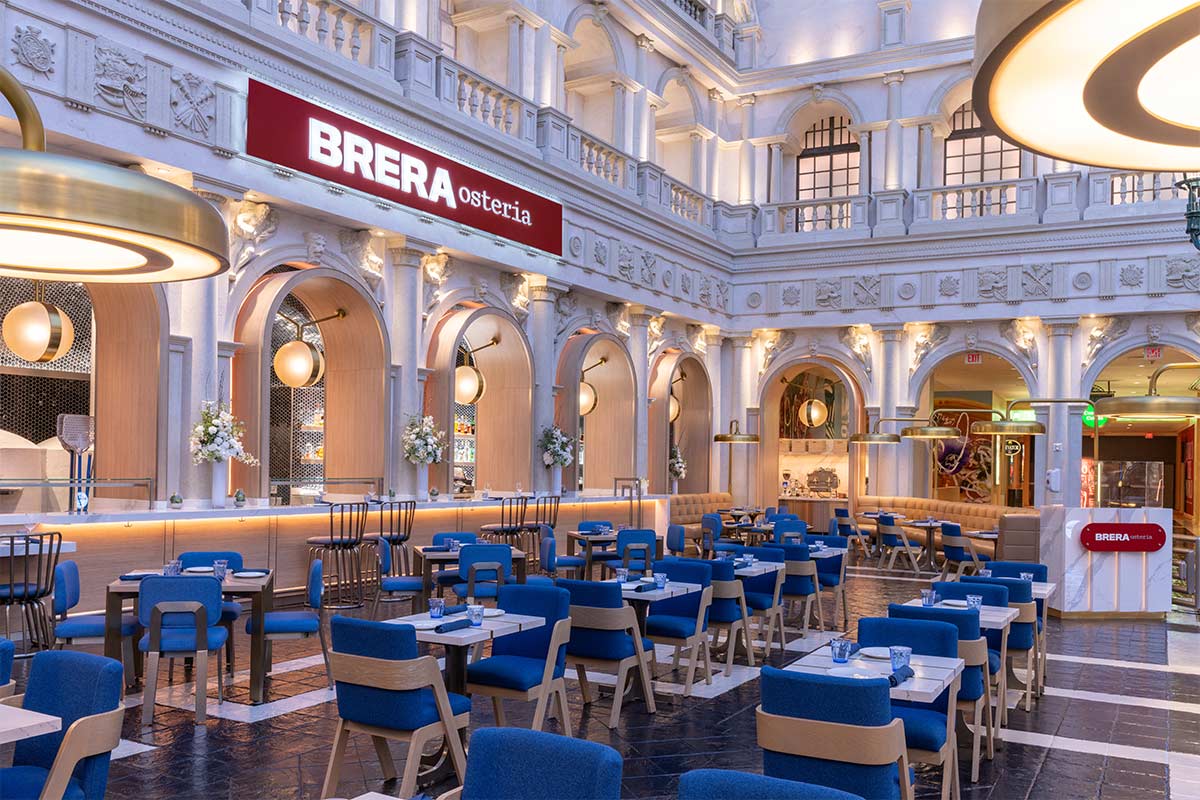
x,y
688,509
1019,527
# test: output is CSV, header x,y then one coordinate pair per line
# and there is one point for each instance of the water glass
x,y
622,575
928,598
173,568
984,573
841,650
475,615
1027,576
660,580
900,656
219,568
437,608
455,544
975,601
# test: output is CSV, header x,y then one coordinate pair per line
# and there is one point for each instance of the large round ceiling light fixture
x,y
299,364
1099,82
38,331
71,219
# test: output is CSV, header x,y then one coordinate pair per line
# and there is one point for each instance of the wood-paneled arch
x,y
692,430
610,431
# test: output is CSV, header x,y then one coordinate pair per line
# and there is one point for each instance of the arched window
x,y
975,156
828,164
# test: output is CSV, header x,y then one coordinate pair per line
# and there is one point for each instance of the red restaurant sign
x,y
303,136
1123,537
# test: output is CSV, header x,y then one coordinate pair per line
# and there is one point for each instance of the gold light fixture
x,y
813,413
1100,82
1152,404
469,384
1007,427
875,437
930,431
588,398
38,331
735,436
673,407
299,363
71,219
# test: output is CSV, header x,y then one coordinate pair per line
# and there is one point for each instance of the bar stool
x,y
26,580
395,528
545,512
341,551
512,521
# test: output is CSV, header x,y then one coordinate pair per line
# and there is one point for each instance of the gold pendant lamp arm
x,y
1166,368
29,120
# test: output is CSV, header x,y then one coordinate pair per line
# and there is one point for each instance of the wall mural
x,y
964,464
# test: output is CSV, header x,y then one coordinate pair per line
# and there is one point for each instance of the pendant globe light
x,y
673,408
813,413
469,384
38,331
299,363
587,392
70,219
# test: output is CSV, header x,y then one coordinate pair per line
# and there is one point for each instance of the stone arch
x,y
827,95
1132,341
939,354
833,357
610,430
463,295
605,24
684,78
694,436
950,94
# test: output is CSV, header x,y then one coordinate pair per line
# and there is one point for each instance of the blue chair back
x,y
549,560
8,651
783,526
684,570
595,524
519,764
833,564
205,558
771,511
1020,634
549,602
796,584
471,554
952,552
888,539
841,513
637,536
463,537
722,784
1013,569
596,594
825,698
967,623
69,685
371,705
676,540
203,589
833,527
763,583
992,595
316,581
712,525
925,637
66,589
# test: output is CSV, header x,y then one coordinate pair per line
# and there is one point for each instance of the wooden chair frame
x,y
127,656
947,756
969,547
873,746
974,654
772,615
614,619
999,683
848,528
697,643
1027,613
905,547
726,590
839,596
487,566
200,654
807,569
87,736
382,673
549,687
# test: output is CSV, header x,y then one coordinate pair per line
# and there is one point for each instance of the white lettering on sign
x,y
1112,537
379,163
974,358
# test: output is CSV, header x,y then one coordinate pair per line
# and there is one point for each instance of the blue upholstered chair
x,y
790,526
800,584
575,564
8,652
230,609
894,541
600,552
682,622
770,511
84,691
998,641
444,575
303,624
516,764
974,691
528,665
387,691
635,551
181,615
86,628
958,552
722,784
676,540
1022,633
393,587
727,612
847,527
928,727
764,596
831,573
485,567
712,541
604,634
833,732
1041,574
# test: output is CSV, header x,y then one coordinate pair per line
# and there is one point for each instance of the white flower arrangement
x,y
677,464
217,437
423,443
558,449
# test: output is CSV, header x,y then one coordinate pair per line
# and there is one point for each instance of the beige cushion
x,y
687,509
971,516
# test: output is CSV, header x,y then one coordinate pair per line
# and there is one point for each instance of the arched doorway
x,y
602,421
686,423
491,439
333,431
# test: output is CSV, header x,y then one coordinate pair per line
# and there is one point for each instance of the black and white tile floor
x,y
1120,719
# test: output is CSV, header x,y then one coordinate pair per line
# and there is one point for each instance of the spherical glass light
x,y
673,408
468,385
299,364
813,413
587,398
38,332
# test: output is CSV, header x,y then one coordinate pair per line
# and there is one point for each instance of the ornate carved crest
x,y
649,264
792,295
515,287
618,317
857,339
829,294
194,103
925,340
356,246
33,50
625,262
121,79
993,284
948,286
1103,331
773,345
866,290
1036,280
1131,275
250,225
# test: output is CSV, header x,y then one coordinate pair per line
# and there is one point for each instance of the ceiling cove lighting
x,y
469,384
38,331
1151,405
70,219
299,363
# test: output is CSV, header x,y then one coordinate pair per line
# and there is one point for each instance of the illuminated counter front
x,y
109,544
1108,561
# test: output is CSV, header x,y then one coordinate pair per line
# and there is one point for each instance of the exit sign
x,y
1153,353
975,358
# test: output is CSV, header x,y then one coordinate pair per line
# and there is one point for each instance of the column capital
x,y
741,341
645,42
893,77
407,253
544,289
715,95
889,331
747,100
1061,326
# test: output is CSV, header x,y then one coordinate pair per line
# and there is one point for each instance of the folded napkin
x,y
136,576
900,676
453,625
252,569
455,609
645,587
436,548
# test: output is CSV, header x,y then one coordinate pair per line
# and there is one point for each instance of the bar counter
x,y
109,543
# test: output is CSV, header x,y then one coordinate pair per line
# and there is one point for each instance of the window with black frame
x,y
827,168
975,156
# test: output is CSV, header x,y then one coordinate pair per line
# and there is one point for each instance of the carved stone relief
x,y
33,50
948,286
792,296
575,246
1154,332
437,270
1131,275
618,317
866,290
1023,338
654,334
600,253
773,345
685,283
857,338
625,262
193,103
829,294
515,287
754,300
925,340
1103,331
356,246
993,284
315,244
250,225
1036,280
121,79
1183,272
649,268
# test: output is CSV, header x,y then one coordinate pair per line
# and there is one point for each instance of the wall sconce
x,y
299,363
469,384
587,393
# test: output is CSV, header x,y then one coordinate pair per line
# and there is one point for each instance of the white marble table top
x,y
990,617
931,675
673,589
828,552
759,568
18,723
492,628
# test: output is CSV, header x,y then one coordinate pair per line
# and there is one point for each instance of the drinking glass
x,y
900,656
1027,576
219,568
928,598
475,615
975,601
622,574
841,650
660,580
437,608
173,568
455,544
487,491
984,573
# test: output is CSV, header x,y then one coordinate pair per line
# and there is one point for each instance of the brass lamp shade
x,y
735,435
673,408
468,385
874,438
1007,427
587,398
299,363
930,432
1142,406
38,332
813,413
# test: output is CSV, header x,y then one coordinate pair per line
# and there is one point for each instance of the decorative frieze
x,y
1102,331
925,339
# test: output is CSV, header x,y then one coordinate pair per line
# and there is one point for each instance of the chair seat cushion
x,y
760,601
507,672
286,622
19,590
482,589
447,577
331,541
183,640
607,645
496,527
402,583
570,561
971,685
539,580
91,626
923,729
983,556
230,610
20,783
419,710
605,555
829,578
670,626
994,662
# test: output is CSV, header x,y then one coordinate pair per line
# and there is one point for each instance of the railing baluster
x,y
339,32
322,23
305,17
355,42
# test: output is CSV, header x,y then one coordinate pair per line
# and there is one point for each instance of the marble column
x,y
1063,433
639,325
746,154
885,473
893,138
776,195
515,54
697,178
712,362
198,322
651,132
403,277
643,135
925,155
560,68
619,101
542,320
714,110
864,162
741,391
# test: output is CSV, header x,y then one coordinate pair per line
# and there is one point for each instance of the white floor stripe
x,y
1125,700
1184,761
130,748
1179,669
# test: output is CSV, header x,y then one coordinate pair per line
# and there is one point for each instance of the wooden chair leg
x,y
412,762
1030,680
220,681
750,643
539,710
707,664
584,689
564,714
385,757
325,653
647,687
990,718
127,660
340,737
782,635
731,648
693,658
977,734
150,692
614,717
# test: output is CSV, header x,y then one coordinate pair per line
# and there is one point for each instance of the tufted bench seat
x,y
687,509
1015,523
